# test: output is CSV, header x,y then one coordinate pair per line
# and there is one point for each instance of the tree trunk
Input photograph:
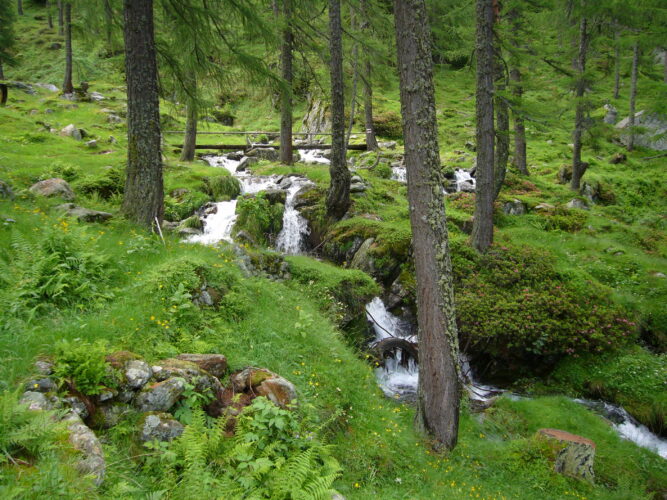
x,y
49,16
579,167
68,87
617,66
520,156
3,88
143,199
355,80
61,22
338,196
371,140
482,231
633,96
439,388
664,63
502,125
108,19
20,7
286,155
190,139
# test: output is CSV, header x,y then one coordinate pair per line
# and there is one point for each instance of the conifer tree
x,y
6,44
68,86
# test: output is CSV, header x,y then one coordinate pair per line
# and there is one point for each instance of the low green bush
x,y
105,185
388,124
61,170
223,187
175,210
515,308
82,366
260,219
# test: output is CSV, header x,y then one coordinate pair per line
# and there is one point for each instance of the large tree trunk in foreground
x,y
338,196
439,388
68,87
143,200
579,167
3,88
190,139
633,96
286,155
482,230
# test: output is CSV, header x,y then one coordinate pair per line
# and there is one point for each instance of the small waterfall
x,y
218,224
313,156
295,227
400,382
224,161
463,177
399,174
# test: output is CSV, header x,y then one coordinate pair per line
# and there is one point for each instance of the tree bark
x,y
68,87
190,139
49,16
61,22
19,6
579,167
3,88
502,125
108,18
371,140
355,80
439,388
482,231
617,67
633,96
143,199
286,155
338,196
520,155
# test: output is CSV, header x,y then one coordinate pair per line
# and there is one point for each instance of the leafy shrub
x,y
259,218
273,454
109,183
175,210
62,170
561,219
223,187
61,270
634,379
82,365
383,171
513,306
388,125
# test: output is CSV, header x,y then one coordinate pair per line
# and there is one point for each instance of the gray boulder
x,y
84,214
36,401
44,385
611,114
188,371
652,133
43,367
158,426
245,162
108,416
53,187
161,396
72,131
317,119
262,382
578,204
85,440
514,207
362,259
269,154
6,191
215,364
137,373
358,187
78,406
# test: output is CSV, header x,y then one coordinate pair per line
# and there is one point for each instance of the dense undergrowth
x,y
118,287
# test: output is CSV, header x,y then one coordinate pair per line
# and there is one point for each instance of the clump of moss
x,y
223,187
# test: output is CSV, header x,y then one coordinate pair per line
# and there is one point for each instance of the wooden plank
x,y
275,134
246,147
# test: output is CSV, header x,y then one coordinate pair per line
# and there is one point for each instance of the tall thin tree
x,y
501,107
68,86
633,96
482,231
371,140
578,166
19,7
61,18
49,15
286,49
144,197
338,196
617,64
439,387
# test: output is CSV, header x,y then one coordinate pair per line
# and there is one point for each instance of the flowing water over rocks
x,y
219,220
400,380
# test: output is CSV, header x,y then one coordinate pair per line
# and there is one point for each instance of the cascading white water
x,y
397,381
313,156
463,177
295,227
217,225
399,174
